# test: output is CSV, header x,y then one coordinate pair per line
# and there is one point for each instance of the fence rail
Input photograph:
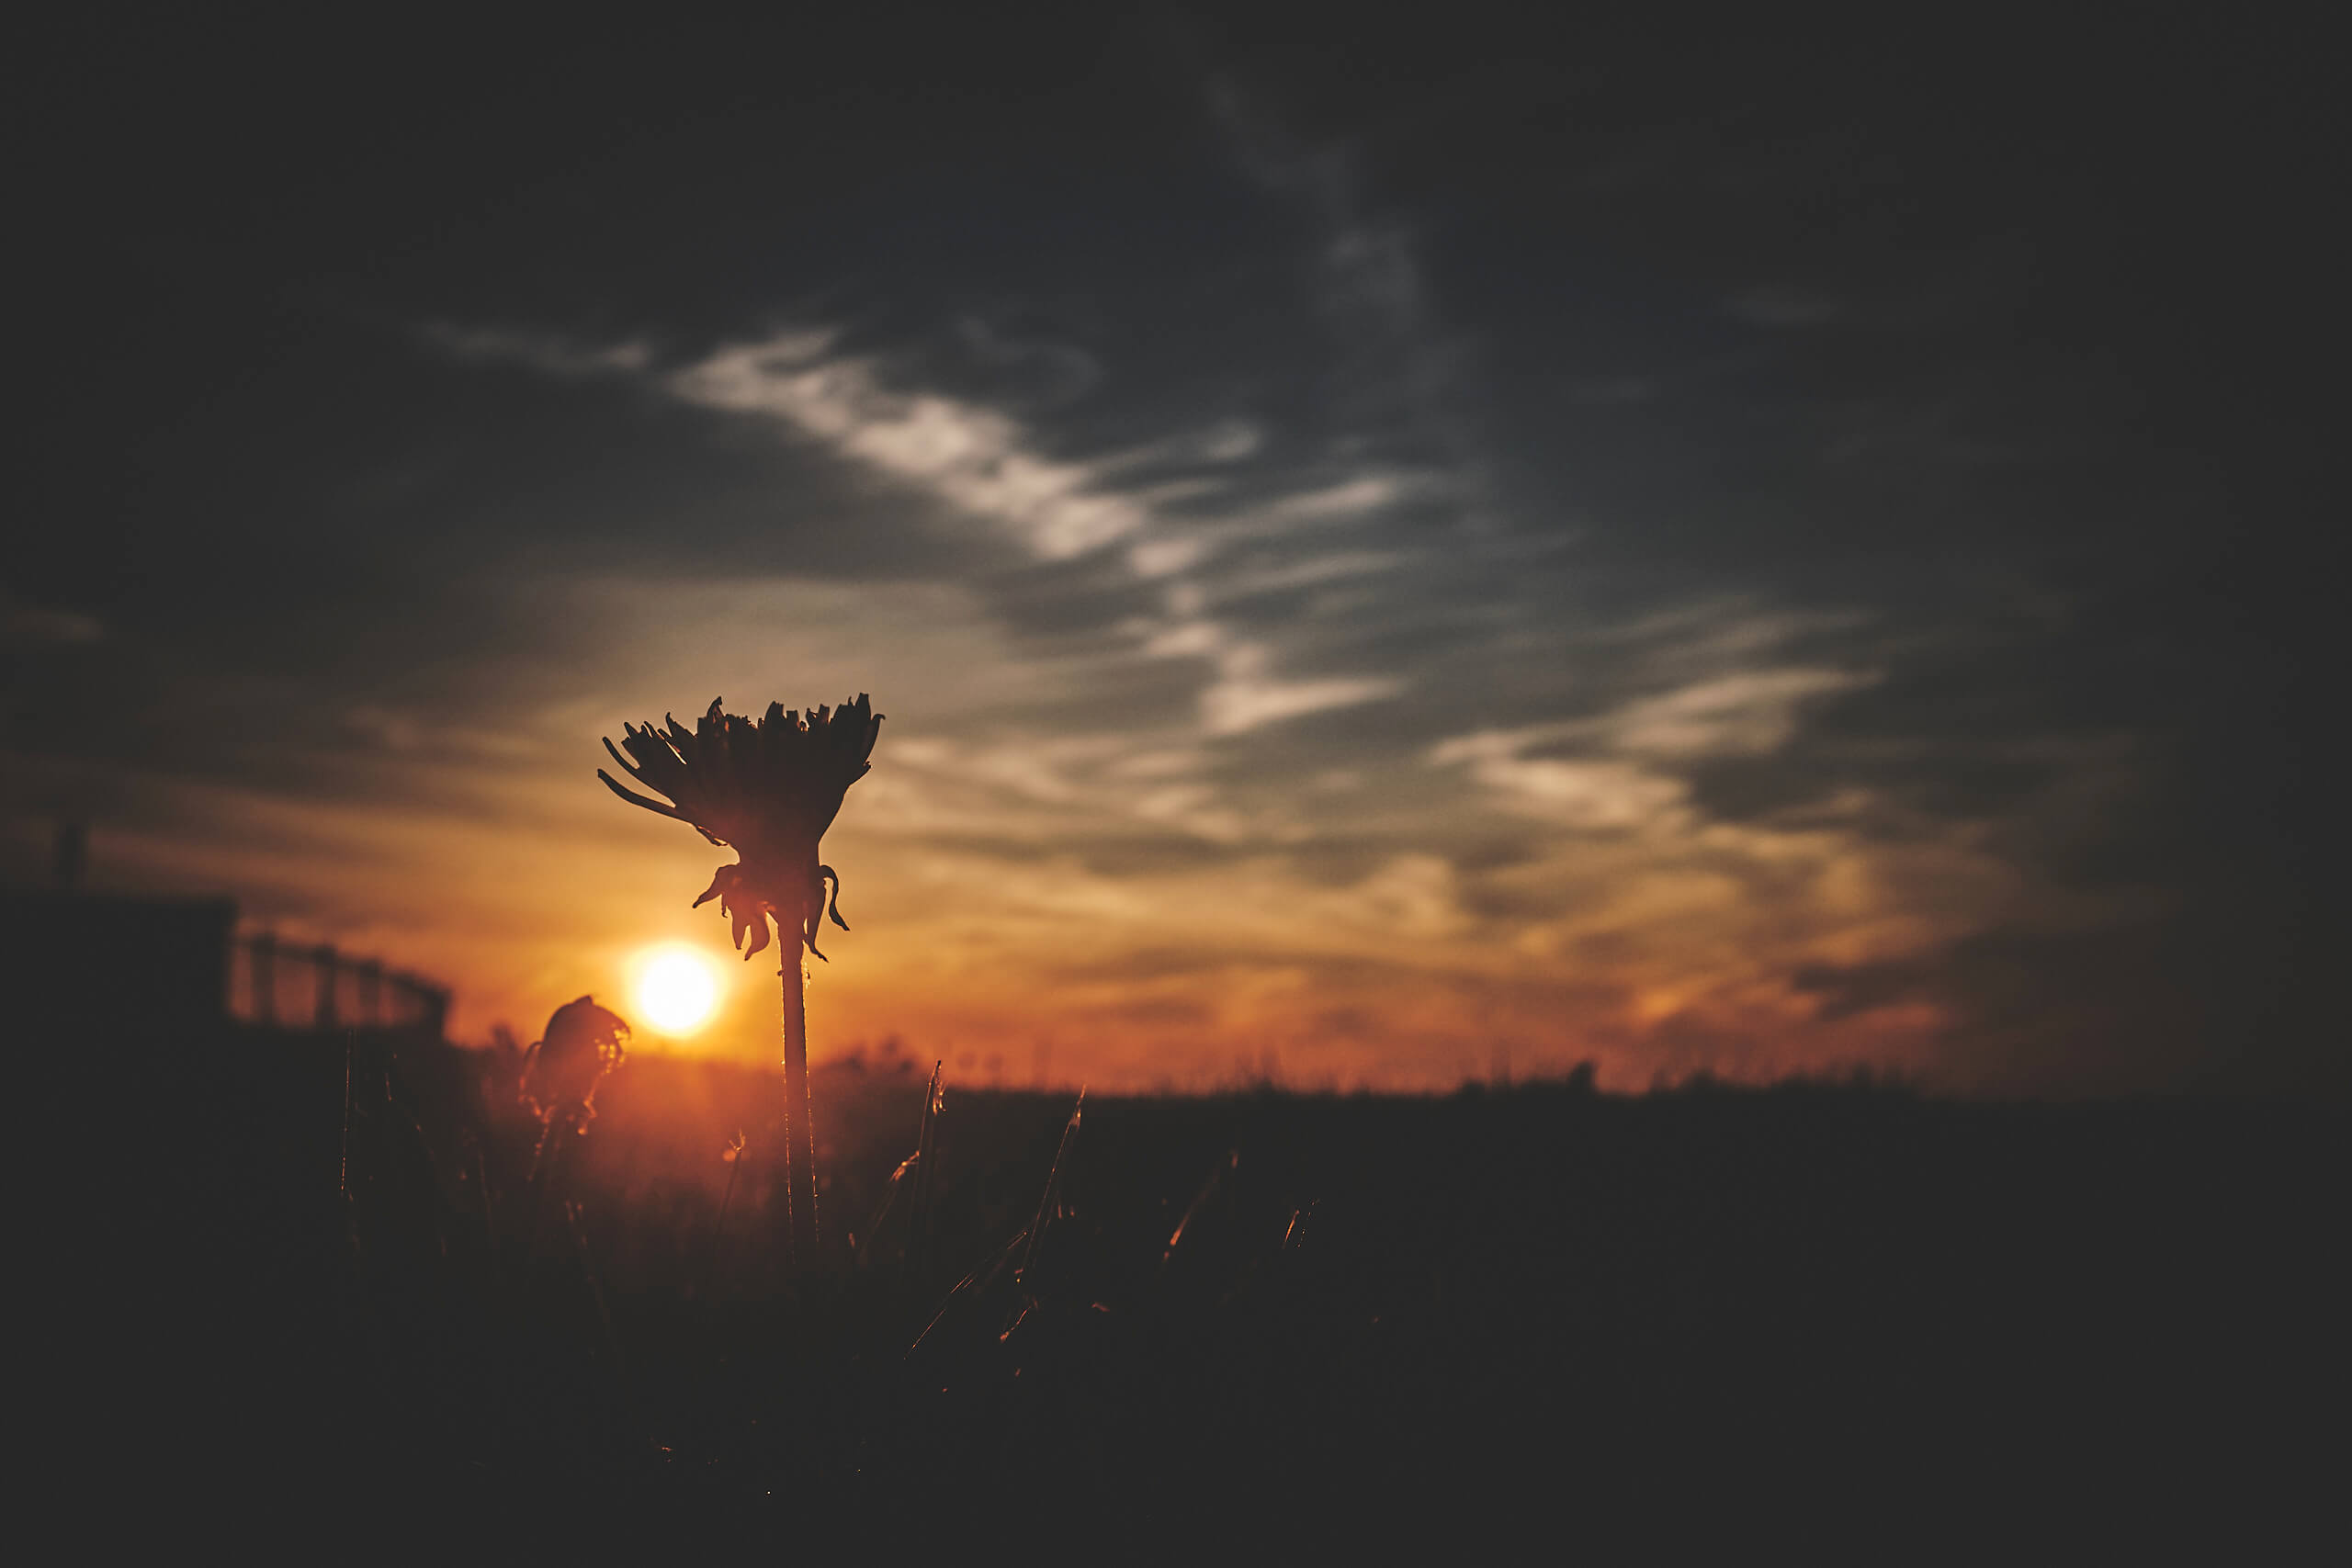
x,y
290,985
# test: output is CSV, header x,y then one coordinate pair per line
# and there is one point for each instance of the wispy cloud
x,y
32,624
983,463
1577,793
975,459
1622,768
549,354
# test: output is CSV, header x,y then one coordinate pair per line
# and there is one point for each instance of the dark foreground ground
x,y
1542,1317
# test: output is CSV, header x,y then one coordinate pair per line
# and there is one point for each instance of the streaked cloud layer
x,y
1331,598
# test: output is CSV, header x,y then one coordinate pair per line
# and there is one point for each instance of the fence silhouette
x,y
298,986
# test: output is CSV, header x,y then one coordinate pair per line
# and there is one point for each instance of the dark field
x,y
1724,1314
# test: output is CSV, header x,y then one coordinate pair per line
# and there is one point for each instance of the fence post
x,y
261,977
323,956
371,979
434,1002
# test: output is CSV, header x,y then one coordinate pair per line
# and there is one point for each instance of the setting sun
x,y
677,988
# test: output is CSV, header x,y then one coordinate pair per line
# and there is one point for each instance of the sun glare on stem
x,y
677,989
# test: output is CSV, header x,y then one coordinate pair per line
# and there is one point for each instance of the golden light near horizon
x,y
677,989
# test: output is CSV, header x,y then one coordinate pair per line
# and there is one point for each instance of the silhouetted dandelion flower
x,y
766,789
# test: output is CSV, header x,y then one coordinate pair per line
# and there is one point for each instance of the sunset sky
x,y
1749,554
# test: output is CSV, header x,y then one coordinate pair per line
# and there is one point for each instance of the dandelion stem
x,y
799,1141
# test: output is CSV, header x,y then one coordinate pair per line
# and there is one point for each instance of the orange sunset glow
x,y
1658,941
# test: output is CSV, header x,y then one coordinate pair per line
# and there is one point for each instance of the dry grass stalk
x,y
734,1158
1232,1161
1053,1185
926,1195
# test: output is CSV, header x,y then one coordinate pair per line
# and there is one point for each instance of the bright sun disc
x,y
677,990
